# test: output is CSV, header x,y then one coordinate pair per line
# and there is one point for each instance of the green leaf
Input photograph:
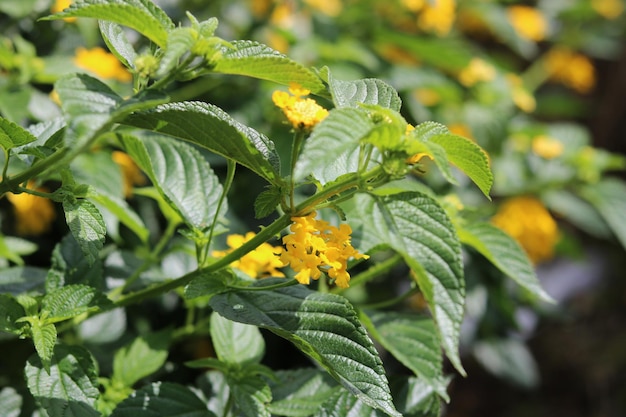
x,y
12,135
577,211
505,253
415,226
10,402
142,357
182,176
162,399
300,392
69,266
71,301
333,148
87,227
416,398
266,202
87,103
10,311
44,338
365,91
423,132
142,15
210,127
22,279
180,41
236,343
609,198
508,359
413,341
70,388
324,326
256,60
251,395
117,42
208,284
343,404
123,212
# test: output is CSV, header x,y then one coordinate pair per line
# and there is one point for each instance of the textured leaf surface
x,y
415,226
182,176
142,357
416,398
343,404
12,135
333,147
300,392
212,128
124,213
10,310
10,402
251,395
236,343
44,338
87,227
115,38
162,399
69,266
266,202
260,61
324,326
142,15
208,284
366,91
71,301
413,341
70,389
505,253
609,198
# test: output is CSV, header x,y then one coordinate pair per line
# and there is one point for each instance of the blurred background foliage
x,y
539,84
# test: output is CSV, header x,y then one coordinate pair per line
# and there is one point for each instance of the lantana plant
x,y
148,219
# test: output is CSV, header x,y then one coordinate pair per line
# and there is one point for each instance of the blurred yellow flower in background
x,y
547,147
131,174
478,70
427,96
258,263
527,220
528,22
437,16
461,129
330,8
302,113
609,9
522,98
570,68
33,214
59,6
101,63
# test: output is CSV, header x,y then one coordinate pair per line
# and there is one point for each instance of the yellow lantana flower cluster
x,y
315,246
434,15
571,69
101,63
478,70
547,147
261,262
528,22
302,113
33,214
531,224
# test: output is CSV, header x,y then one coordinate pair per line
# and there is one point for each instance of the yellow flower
x,y
315,246
101,63
330,8
461,129
609,9
302,113
528,22
413,5
33,214
59,6
530,223
427,96
258,263
571,69
131,174
547,147
476,71
522,98
437,16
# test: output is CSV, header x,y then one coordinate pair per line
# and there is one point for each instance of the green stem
x,y
56,159
392,301
287,283
295,152
371,273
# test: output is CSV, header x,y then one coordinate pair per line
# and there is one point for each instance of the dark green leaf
x,y
344,404
324,326
236,343
415,226
162,399
266,202
142,15
87,227
69,266
115,38
505,253
12,135
212,128
70,389
416,398
609,198
251,395
208,284
142,357
71,301
260,61
366,91
10,402
124,213
10,311
22,279
300,392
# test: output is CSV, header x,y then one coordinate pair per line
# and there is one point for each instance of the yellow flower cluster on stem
x,y
315,246
33,214
527,220
261,262
302,113
101,63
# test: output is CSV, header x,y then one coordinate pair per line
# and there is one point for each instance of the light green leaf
x,y
87,227
505,253
365,91
413,341
10,311
44,338
256,60
414,225
124,213
162,399
423,132
22,279
142,15
117,42
577,211
71,301
324,326
333,148
300,392
180,41
236,343
609,198
12,135
69,266
182,176
142,357
10,402
251,395
210,127
343,404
